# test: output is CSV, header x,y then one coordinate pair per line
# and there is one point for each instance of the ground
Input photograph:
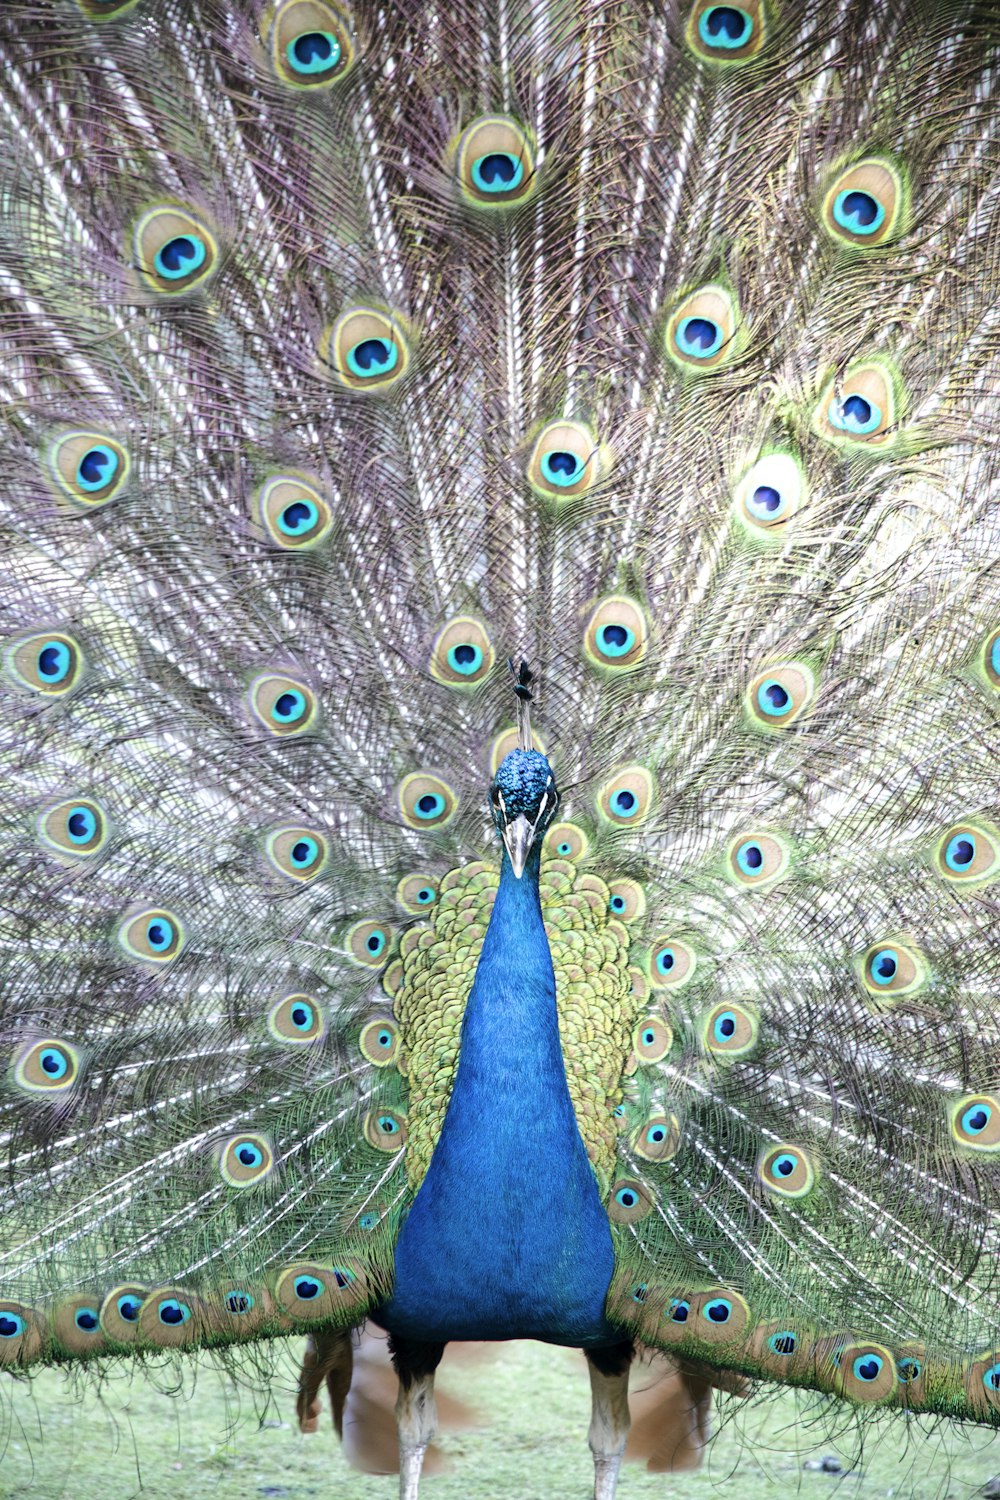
x,y
135,1440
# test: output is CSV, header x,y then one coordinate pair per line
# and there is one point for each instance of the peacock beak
x,y
518,836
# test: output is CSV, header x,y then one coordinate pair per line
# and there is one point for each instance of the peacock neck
x,y
507,1231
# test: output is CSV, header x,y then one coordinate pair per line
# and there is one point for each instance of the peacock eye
x,y
426,801
284,707
462,654
726,33
968,853
365,349
566,461
757,860
76,827
975,1122
294,513
494,163
786,1171
298,853
47,1067
629,1202
310,43
671,963
246,1160
379,1041
626,799
296,1018
652,1039
862,407
416,893
154,935
627,900
616,634
729,1032
865,205
386,1130
701,332
45,662
778,696
89,468
769,495
174,249
368,943
658,1139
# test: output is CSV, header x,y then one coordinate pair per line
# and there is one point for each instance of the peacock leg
x,y
329,1357
609,1421
416,1414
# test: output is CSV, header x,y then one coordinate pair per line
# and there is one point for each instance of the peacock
x,y
499,685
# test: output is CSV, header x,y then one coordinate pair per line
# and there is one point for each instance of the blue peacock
x,y
499,685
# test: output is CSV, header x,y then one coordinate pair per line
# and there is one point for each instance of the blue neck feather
x,y
507,1236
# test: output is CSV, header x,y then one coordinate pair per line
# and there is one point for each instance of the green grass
x,y
130,1438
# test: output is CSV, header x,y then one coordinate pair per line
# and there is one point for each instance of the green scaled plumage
x,y
650,344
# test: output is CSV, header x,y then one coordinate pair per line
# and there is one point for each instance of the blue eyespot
x,y
656,1135
773,699
173,1313
426,895
86,1320
564,848
303,1017
376,942
908,1370
991,1379
615,640
388,1125
624,803
784,1165
783,1343
884,965
313,52
289,706
430,805
54,1063
699,337
465,658
97,467
858,212
750,857
718,1310
664,961
497,172
627,1197
648,1036
856,414
867,1367
180,256
129,1307
372,357
640,1293
976,1118
12,1325
305,852
81,825
561,468
299,517
725,26
159,934
367,1221
54,661
307,1287
249,1154
343,1276
616,904
995,657
238,1301
619,1112
960,853
766,503
678,1311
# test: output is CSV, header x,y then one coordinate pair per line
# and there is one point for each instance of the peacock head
x,y
524,798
